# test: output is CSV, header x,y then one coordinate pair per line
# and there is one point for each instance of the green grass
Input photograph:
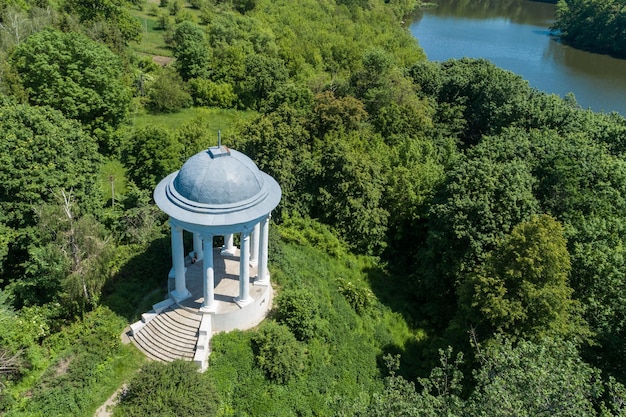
x,y
112,178
215,118
152,42
87,365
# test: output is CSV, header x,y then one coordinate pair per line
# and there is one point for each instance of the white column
x,y
208,277
263,277
229,247
197,246
254,246
178,260
244,270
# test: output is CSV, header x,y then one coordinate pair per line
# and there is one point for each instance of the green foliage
x,y
389,96
595,25
71,263
528,379
298,310
171,389
151,154
474,97
88,362
440,394
522,288
71,73
139,220
208,93
42,152
110,19
313,234
168,93
359,297
332,113
481,201
351,185
278,353
191,50
280,145
262,76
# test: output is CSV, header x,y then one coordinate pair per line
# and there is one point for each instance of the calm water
x,y
514,34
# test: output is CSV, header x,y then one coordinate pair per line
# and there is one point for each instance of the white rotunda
x,y
217,192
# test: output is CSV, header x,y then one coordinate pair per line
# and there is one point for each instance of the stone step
x,y
164,341
175,330
195,316
175,327
154,351
184,317
145,351
163,351
170,337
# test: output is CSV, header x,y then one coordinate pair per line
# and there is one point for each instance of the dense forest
x,y
599,26
450,241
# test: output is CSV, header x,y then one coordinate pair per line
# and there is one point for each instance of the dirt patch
x,y
162,60
61,368
106,409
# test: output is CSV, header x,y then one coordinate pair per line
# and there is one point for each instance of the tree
x,y
522,288
152,154
168,93
262,76
191,51
336,113
110,21
42,152
473,96
299,311
70,265
482,199
527,379
351,189
280,145
73,74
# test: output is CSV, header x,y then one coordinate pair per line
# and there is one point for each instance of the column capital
x,y
174,225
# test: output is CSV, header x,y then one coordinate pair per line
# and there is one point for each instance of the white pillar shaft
x,y
254,246
178,260
197,246
229,246
244,268
208,275
263,277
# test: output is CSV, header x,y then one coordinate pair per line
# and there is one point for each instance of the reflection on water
x,y
514,34
516,11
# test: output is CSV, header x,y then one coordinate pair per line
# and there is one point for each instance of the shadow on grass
x,y
141,280
420,355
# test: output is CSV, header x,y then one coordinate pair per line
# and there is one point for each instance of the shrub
x,y
278,353
168,94
299,310
208,93
359,297
173,389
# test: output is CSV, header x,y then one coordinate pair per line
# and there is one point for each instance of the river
x,y
514,35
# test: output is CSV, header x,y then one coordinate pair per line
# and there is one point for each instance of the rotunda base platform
x,y
181,330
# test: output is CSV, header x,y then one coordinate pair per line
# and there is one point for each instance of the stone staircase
x,y
169,335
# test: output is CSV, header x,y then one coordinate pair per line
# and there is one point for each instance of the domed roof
x,y
218,176
218,187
